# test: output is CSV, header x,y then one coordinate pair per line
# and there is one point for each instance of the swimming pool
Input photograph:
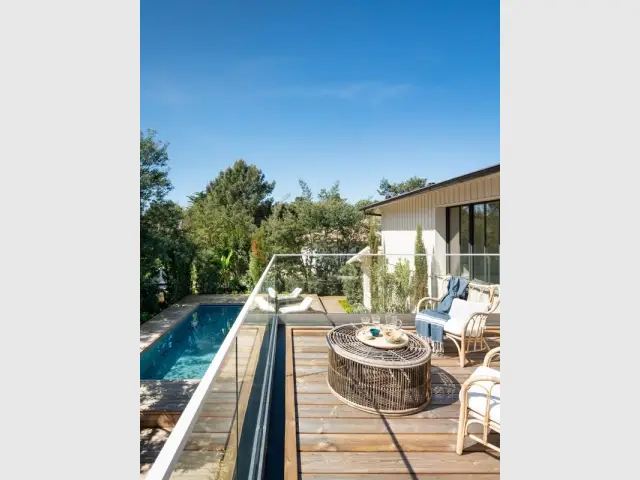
x,y
185,351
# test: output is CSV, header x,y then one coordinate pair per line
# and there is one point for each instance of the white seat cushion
x,y
464,308
477,394
460,312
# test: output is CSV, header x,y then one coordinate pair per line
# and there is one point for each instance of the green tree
x,y
392,287
154,170
170,248
351,277
223,218
165,251
154,185
325,224
216,231
243,187
224,263
388,189
328,224
401,287
373,248
420,274
382,284
259,255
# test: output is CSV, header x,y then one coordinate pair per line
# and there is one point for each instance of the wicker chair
x,y
468,333
480,403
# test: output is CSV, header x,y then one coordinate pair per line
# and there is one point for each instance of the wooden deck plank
x,y
213,425
206,441
335,441
151,442
399,476
381,425
218,410
398,462
162,402
228,463
345,411
216,398
407,442
290,440
197,465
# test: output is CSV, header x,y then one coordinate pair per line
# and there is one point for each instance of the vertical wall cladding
x,y
400,218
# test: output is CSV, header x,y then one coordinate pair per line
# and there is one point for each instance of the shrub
x,y
391,288
351,279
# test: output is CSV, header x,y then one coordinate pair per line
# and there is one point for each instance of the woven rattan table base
x,y
376,382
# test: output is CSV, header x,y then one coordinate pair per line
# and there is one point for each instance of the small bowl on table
x,y
375,332
393,335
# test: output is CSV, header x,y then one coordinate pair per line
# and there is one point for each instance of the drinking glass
x,y
365,321
375,321
391,322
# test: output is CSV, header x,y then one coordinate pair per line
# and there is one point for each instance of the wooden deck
x,y
326,439
210,447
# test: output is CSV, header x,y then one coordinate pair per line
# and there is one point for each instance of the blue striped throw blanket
x,y
430,323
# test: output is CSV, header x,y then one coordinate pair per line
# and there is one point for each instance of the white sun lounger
x,y
263,305
301,307
283,298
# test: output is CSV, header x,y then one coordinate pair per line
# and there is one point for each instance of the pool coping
x,y
152,330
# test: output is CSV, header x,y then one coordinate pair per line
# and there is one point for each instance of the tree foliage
x,y
420,275
242,187
373,248
154,170
165,251
351,277
390,288
325,224
388,189
223,240
259,255
401,287
222,219
328,224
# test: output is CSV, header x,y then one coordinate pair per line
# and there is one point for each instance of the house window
x,y
475,229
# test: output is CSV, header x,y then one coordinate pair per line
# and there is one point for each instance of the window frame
x,y
471,234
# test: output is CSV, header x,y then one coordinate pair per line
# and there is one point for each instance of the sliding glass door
x,y
474,229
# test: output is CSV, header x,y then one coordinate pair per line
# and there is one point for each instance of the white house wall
x,y
400,218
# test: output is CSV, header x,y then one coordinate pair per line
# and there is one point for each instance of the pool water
x,y
186,351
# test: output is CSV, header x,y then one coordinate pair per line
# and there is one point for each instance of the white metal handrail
x,y
170,453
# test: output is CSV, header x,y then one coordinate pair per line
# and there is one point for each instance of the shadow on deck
x,y
327,439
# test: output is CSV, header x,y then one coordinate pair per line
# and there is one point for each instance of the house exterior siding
x,y
400,218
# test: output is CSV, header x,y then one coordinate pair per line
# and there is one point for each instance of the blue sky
x,y
322,91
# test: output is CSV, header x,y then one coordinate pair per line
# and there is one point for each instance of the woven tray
x,y
364,335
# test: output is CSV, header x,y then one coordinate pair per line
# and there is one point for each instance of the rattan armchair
x,y
468,334
480,403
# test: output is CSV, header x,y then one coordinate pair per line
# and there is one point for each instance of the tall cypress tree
x,y
420,274
373,248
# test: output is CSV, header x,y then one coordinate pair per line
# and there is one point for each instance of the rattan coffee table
x,y
391,382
